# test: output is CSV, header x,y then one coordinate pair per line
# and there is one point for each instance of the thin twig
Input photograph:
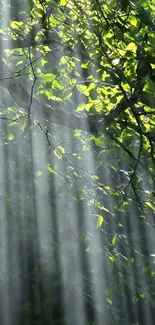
x,y
33,84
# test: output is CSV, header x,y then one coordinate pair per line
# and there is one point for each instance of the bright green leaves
x,y
38,9
11,137
114,240
56,85
99,141
51,170
77,133
85,89
150,205
13,123
108,293
141,293
112,258
64,60
59,152
126,136
81,107
131,47
100,221
16,24
47,77
19,62
17,27
61,149
89,90
50,86
133,21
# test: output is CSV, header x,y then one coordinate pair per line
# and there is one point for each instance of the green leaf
x,y
108,293
120,225
96,177
133,20
64,60
63,2
141,293
19,62
83,88
114,240
109,35
13,123
11,109
108,188
16,24
150,205
51,170
39,173
77,133
57,154
85,65
131,47
48,77
43,62
81,107
56,84
112,259
61,149
109,300
99,141
100,220
11,137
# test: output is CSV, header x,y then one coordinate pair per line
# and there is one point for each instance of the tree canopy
x,y
78,160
